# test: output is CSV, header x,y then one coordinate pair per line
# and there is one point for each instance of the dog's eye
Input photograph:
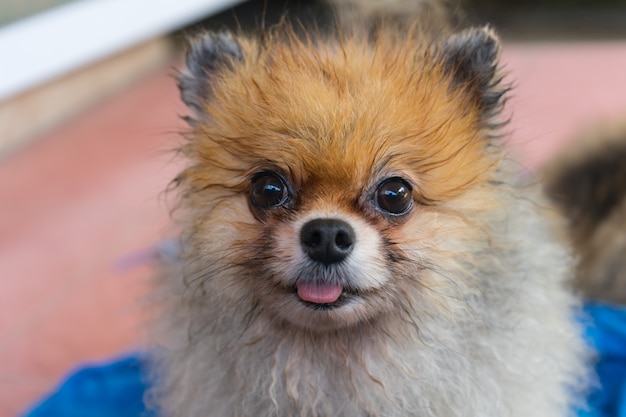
x,y
268,191
394,196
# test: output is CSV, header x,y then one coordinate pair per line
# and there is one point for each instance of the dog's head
x,y
332,183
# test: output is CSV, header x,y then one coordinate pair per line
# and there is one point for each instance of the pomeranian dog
x,y
587,181
356,241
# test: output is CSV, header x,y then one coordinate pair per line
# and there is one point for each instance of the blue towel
x,y
114,389
117,389
607,334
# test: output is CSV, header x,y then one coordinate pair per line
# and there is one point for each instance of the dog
x,y
587,182
356,240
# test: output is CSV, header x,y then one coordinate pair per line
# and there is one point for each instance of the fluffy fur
x,y
457,307
588,183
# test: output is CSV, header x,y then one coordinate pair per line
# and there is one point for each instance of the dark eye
x,y
268,191
394,196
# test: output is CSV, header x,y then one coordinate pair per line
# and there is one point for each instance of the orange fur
x,y
334,115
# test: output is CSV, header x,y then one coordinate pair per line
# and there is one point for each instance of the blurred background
x,y
90,115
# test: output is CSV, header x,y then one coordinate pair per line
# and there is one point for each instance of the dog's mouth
x,y
323,296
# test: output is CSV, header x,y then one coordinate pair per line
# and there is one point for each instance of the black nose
x,y
327,240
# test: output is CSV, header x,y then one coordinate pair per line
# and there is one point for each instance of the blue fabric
x,y
607,334
117,389
114,389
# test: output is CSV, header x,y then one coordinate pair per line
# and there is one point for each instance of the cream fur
x,y
494,336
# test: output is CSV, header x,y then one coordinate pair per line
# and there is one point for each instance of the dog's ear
x,y
470,58
208,54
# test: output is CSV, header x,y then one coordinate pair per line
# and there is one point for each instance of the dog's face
x,y
332,186
330,261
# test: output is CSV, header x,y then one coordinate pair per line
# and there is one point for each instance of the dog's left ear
x,y
208,55
470,58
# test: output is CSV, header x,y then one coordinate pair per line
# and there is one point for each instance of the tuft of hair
x,y
587,181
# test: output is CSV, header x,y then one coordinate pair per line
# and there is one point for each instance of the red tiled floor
x,y
73,204
80,199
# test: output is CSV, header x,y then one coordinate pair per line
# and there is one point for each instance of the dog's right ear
x,y
208,54
470,58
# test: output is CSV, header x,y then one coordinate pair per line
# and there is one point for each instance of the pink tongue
x,y
319,293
